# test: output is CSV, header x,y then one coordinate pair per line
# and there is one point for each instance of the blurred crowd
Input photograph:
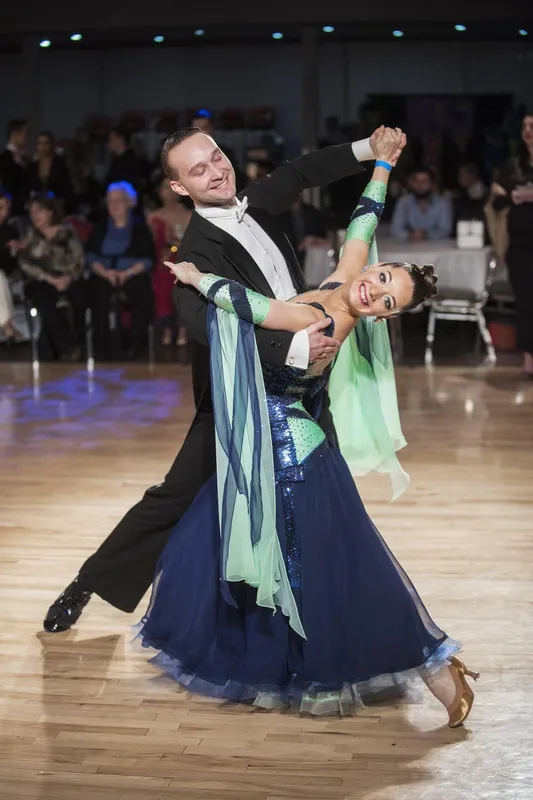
x,y
93,233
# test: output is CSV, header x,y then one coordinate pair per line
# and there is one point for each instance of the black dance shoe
x,y
67,609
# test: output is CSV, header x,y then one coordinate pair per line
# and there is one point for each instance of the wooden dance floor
x,y
84,716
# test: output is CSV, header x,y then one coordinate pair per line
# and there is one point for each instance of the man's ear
x,y
178,188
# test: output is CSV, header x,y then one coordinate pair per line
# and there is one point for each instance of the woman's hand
x,y
185,272
387,144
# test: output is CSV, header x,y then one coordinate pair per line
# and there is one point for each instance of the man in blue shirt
x,y
423,213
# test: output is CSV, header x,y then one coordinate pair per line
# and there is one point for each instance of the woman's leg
x,y
139,292
55,323
520,267
99,299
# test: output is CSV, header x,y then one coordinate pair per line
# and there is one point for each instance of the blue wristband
x,y
384,164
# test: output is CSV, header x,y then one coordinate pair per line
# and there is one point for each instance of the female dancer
x,y
276,588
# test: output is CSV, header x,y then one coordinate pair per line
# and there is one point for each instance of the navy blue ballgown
x,y
366,628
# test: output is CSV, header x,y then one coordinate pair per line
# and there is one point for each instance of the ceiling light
x,y
199,32
460,28
277,36
522,32
45,43
76,37
328,28
397,34
159,39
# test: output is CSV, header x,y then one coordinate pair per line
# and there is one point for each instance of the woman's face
x,y
40,217
381,291
118,205
527,130
166,194
44,147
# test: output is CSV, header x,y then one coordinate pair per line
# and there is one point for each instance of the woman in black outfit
x,y
516,185
49,173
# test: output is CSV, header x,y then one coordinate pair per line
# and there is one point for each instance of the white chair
x,y
463,300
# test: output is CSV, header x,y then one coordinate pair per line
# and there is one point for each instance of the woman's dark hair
x,y
521,151
424,282
49,202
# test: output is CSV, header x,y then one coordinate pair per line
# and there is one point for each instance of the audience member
x,y
51,255
422,213
513,197
120,254
13,164
126,165
49,173
334,133
8,263
168,224
472,193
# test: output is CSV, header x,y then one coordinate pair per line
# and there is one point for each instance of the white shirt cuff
x,y
298,355
362,150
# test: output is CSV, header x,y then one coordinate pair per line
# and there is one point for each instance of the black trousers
x,y
138,291
520,268
123,567
56,325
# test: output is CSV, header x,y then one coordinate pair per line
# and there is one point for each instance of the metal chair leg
x,y
32,319
487,338
89,339
430,337
151,345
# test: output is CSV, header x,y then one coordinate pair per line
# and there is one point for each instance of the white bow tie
x,y
242,207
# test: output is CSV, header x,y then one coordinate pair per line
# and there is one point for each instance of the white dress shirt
x,y
267,255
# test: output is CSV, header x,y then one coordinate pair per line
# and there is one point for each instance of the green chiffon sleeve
x,y
362,387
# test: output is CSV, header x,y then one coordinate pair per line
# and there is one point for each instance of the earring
x,y
378,320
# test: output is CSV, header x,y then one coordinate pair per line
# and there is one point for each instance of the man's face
x,y
19,138
202,172
5,208
421,184
204,123
115,143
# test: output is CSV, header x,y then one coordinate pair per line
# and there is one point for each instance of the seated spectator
x,y
51,255
49,173
13,164
305,227
472,193
168,224
120,255
422,213
126,165
8,263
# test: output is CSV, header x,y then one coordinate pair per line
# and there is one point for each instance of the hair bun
x,y
428,272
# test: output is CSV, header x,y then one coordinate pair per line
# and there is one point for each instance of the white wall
x,y
72,84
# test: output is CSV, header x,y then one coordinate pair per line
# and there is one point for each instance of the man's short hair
x,y
173,141
15,126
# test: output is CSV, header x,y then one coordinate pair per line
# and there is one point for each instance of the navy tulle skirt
x,y
367,630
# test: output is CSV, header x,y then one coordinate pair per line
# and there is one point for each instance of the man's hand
x,y
321,346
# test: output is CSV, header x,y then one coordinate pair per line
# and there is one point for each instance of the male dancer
x,y
236,237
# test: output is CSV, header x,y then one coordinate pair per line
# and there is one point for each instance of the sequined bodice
x,y
295,433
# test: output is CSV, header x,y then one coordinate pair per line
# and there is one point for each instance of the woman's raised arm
x,y
387,145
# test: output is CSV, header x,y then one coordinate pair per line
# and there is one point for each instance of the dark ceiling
x,y
40,16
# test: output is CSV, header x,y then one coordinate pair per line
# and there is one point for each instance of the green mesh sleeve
x,y
366,216
235,298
